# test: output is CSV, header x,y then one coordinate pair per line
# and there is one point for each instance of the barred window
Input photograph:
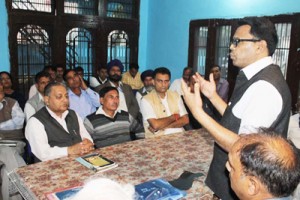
x,y
120,9
34,53
200,49
33,5
222,48
118,47
79,50
86,7
281,53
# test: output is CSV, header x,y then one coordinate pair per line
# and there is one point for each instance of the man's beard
x,y
115,78
149,88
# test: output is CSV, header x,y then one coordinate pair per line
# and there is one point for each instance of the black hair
x,y
41,74
280,174
216,65
48,67
78,69
263,29
134,66
188,68
105,90
161,70
7,73
66,72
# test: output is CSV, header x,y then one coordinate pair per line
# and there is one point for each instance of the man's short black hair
x,y
66,72
49,67
40,75
263,29
216,65
7,73
134,66
78,69
161,70
106,89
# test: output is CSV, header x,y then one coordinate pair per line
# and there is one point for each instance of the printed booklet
x,y
96,162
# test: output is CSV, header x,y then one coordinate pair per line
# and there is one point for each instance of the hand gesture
x,y
83,85
208,88
192,99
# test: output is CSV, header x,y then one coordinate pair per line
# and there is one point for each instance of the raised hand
x,y
208,88
192,99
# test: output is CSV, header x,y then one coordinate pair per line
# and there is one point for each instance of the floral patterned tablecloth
x,y
138,161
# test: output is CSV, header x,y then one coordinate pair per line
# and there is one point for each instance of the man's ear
x,y
46,100
262,46
253,186
101,100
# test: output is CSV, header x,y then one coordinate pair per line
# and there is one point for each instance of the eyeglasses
x,y
236,41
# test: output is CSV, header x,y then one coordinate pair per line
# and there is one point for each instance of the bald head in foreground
x,y
263,166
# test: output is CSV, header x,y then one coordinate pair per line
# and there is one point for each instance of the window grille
x,y
81,7
33,5
222,48
118,47
281,53
120,9
200,49
33,54
79,50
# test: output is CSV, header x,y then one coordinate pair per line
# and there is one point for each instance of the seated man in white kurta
x,y
163,110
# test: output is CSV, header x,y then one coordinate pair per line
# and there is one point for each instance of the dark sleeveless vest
x,y
217,178
57,136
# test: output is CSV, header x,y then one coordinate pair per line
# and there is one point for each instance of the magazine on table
x,y
96,162
63,193
157,189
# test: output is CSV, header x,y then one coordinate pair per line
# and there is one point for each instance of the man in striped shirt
x,y
108,125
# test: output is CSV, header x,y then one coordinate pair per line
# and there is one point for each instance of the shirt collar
x,y
112,84
101,111
255,67
41,98
63,116
103,81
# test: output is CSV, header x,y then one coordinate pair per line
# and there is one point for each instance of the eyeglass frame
x,y
235,41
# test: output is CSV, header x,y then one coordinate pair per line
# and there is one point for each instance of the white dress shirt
x,y
122,104
261,103
176,86
37,137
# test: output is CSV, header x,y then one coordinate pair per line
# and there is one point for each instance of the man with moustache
x,y
163,110
147,80
56,131
108,125
82,99
261,97
128,101
36,102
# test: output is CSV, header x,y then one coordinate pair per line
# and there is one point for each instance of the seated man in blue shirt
x,y
263,166
109,125
82,99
